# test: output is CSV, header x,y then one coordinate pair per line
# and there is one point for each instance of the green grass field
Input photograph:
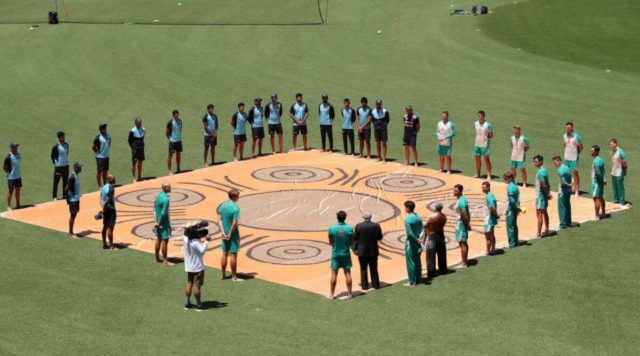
x,y
538,63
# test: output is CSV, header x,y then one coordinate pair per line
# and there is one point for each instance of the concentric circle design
x,y
477,208
402,183
395,240
292,174
291,252
145,231
147,197
309,209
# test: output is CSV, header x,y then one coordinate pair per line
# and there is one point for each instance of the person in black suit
x,y
367,236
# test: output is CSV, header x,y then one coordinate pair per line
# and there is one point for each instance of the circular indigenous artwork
x,y
146,231
310,209
477,208
396,239
404,183
147,197
291,252
292,174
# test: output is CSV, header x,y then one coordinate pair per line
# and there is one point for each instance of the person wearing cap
x,y
327,114
411,129
519,148
163,223
598,181
238,122
348,120
73,196
273,113
340,239
60,160
136,143
414,229
491,219
380,119
367,235
108,204
101,146
257,129
14,178
363,118
445,131
463,223
484,134
210,124
565,184
513,209
299,114
572,148
618,171
436,244
174,135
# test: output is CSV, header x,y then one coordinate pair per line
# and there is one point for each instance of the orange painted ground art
x,y
287,203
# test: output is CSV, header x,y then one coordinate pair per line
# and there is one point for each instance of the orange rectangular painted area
x,y
287,203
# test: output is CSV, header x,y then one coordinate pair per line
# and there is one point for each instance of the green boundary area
x,y
571,294
595,33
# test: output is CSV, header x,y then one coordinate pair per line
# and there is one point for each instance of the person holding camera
x,y
163,223
228,215
194,250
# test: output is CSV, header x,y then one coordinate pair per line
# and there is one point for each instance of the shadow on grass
x,y
175,260
213,304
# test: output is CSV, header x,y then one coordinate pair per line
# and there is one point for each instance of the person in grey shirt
x,y
367,235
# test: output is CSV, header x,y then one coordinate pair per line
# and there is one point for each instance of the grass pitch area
x,y
571,294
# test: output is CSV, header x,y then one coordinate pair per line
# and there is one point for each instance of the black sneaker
x,y
189,306
200,308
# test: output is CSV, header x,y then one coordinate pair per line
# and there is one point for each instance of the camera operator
x,y
194,250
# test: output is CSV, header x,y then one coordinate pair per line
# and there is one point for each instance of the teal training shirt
x,y
514,197
342,236
492,202
241,120
175,127
229,212
348,118
413,227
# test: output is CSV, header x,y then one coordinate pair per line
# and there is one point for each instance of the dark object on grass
x,y
53,17
479,10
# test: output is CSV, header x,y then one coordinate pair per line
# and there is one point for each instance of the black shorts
x,y
364,135
258,132
275,128
14,183
381,135
109,217
102,164
239,138
410,140
74,207
137,154
299,130
196,278
175,147
210,141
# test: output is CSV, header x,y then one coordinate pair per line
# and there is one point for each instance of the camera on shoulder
x,y
196,229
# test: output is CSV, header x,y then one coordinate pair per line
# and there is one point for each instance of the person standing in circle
x,y
60,160
228,216
340,238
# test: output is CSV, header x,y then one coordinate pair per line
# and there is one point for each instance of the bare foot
x,y
463,265
476,176
368,156
235,159
349,296
170,173
223,277
331,296
406,163
448,172
408,285
415,164
168,264
236,279
114,249
73,236
440,171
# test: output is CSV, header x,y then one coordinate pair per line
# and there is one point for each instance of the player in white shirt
x,y
445,130
519,148
618,171
484,134
572,149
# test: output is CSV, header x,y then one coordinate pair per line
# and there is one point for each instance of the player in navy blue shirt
x,y
60,160
411,127
136,143
174,134
101,146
